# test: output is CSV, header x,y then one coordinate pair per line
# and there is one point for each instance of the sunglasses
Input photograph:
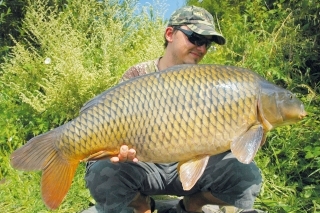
x,y
195,38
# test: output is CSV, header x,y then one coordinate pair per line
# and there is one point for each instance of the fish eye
x,y
290,96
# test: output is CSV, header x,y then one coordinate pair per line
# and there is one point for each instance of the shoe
x,y
181,209
173,206
176,206
166,206
252,211
92,209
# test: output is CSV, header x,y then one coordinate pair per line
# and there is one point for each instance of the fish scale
x,y
183,114
175,90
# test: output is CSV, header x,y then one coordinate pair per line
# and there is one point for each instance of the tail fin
x,y
41,153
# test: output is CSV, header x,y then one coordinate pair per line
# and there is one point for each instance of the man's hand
x,y
125,154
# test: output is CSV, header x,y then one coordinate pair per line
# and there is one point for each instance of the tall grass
x,y
270,42
72,53
68,56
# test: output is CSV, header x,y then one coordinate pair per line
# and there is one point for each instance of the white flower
x,y
47,61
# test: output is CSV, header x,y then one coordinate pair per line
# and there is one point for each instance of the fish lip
x,y
302,115
303,112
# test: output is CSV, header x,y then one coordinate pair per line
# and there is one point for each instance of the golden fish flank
x,y
183,114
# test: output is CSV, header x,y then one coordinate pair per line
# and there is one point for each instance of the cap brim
x,y
204,29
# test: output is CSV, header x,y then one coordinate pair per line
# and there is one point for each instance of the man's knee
x,y
232,181
98,176
226,167
104,177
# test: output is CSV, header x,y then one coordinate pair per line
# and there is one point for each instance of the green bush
x,y
69,54
11,16
278,40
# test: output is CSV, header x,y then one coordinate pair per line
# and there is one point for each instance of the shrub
x,y
69,53
278,40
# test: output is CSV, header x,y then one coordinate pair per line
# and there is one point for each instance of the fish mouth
x,y
302,115
303,112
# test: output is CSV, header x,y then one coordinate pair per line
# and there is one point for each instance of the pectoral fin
x,y
190,171
246,146
103,154
264,138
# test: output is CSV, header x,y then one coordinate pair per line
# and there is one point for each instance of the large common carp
x,y
183,114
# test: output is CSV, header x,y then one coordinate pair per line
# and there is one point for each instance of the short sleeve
x,y
141,69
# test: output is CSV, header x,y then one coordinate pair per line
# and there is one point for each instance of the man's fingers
x,y
125,154
132,155
114,159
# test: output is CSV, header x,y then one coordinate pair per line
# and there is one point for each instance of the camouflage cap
x,y
198,20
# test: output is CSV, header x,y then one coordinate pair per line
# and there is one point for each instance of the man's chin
x,y
192,61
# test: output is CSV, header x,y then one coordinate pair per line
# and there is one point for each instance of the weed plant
x,y
74,51
68,56
273,43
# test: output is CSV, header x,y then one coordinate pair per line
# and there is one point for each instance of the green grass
x,y
291,176
20,192
91,45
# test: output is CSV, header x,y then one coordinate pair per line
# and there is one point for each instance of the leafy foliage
x,y
69,53
278,40
62,53
70,56
11,16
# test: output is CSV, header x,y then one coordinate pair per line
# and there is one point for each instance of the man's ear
x,y
168,34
